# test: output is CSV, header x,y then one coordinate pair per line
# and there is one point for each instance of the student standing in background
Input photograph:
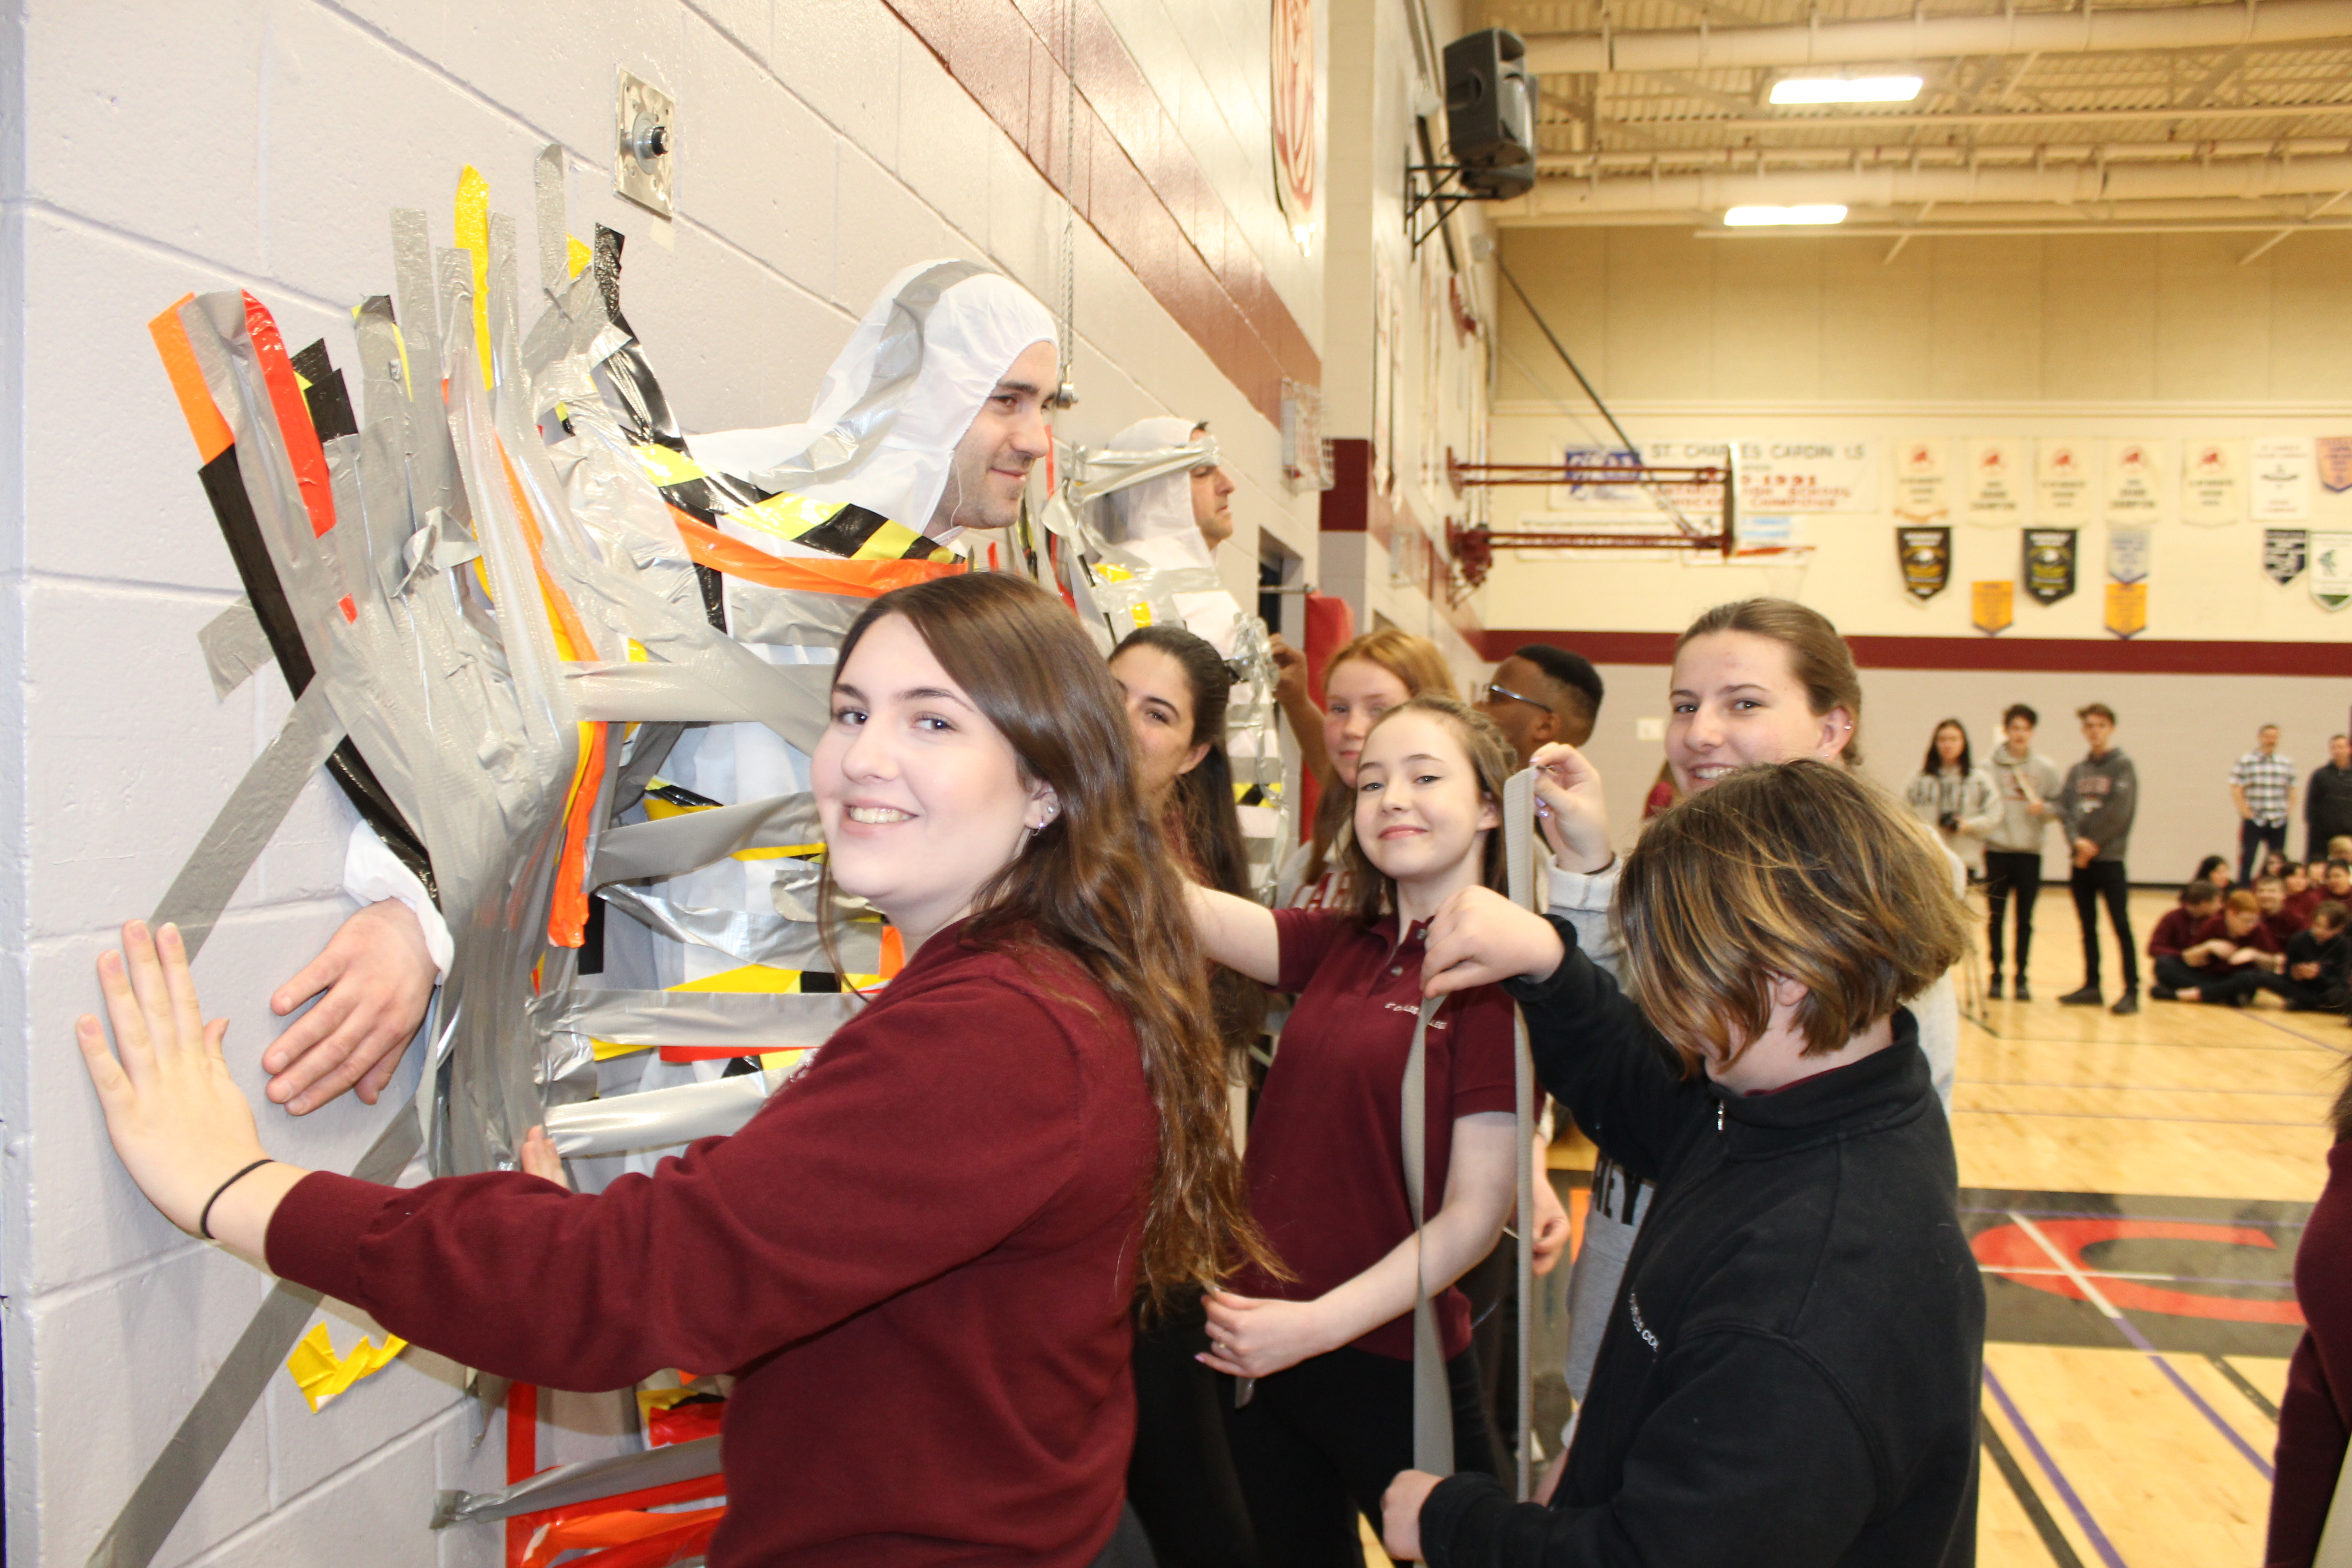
x,y
2026,783
1951,794
2262,786
2096,803
2327,799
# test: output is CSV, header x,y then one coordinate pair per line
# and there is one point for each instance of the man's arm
x,y
2238,799
1306,718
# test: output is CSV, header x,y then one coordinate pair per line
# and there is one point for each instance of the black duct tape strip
x,y
171,1483
329,401
583,1482
224,485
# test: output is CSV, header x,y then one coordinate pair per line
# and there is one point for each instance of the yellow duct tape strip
x,y
473,234
321,1374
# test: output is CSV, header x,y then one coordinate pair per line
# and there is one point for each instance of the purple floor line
x,y
2114,1116
2090,1527
2169,1218
2140,1341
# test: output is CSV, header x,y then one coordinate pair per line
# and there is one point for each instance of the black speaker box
x,y
1490,113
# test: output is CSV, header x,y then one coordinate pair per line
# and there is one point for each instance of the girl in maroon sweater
x,y
918,1258
2315,1417
1328,1414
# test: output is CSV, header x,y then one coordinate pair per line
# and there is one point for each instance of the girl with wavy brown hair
x,y
919,1258
1364,679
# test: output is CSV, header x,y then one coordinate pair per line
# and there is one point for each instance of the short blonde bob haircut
x,y
1791,869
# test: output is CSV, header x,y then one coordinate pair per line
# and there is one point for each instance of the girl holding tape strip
x,y
1789,1375
1328,1418
919,1256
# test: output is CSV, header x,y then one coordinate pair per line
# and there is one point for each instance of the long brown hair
x,y
1371,892
1798,870
1093,884
1416,661
1818,657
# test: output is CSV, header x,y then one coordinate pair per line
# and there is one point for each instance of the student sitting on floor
x,y
2316,964
2229,957
2270,896
2176,932
1791,1374
2303,893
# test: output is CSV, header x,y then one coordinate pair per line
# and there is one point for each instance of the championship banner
x,y
2282,471
2135,482
2066,474
2335,458
2050,564
2331,569
2212,488
1992,606
1922,482
2286,550
1926,557
2128,553
1995,484
2127,608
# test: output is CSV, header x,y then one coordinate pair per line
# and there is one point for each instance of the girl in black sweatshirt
x,y
1789,1375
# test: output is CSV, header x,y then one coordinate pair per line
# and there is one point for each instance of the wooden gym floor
x,y
2135,1188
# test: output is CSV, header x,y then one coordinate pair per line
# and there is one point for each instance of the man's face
x,y
2271,893
2339,751
993,460
2020,732
2242,923
2339,881
1523,723
2266,739
2098,730
1213,510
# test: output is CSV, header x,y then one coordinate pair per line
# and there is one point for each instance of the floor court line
x,y
2239,1380
2118,1274
2120,1116
2298,1033
2065,1489
2130,1330
2136,1088
2037,1513
2111,1213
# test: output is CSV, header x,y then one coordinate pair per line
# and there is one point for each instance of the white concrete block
x,y
551,63
310,1447
1025,220
754,165
841,57
885,228
943,140
116,1367
463,1464
750,24
370,1515
144,120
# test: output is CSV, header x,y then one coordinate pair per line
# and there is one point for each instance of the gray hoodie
x,y
2097,801
2019,782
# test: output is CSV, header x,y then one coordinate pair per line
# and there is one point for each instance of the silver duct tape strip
x,y
790,698
416,303
1109,471
234,646
583,1482
1519,866
759,613
660,1117
546,191
748,1021
749,936
694,839
1432,1401
251,814
171,1483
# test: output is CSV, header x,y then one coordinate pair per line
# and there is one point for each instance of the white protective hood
x,y
900,395
1153,508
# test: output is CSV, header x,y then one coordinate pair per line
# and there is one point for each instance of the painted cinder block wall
x,y
147,151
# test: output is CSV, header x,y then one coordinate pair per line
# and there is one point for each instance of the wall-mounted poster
x,y
2281,478
1994,486
1926,557
2127,608
1298,118
2331,569
2128,553
2284,554
2335,456
2049,563
2135,482
1922,485
1779,476
2066,477
2212,483
1992,606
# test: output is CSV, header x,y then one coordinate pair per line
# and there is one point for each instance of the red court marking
x,y
2007,1247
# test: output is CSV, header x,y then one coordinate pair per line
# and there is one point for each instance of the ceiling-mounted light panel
x,y
1846,90
1758,217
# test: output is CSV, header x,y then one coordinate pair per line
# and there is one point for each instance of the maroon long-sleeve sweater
x,y
918,1258
2317,1414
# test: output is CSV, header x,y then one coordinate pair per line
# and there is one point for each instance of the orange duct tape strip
x,y
293,417
621,1528
806,575
658,1551
196,406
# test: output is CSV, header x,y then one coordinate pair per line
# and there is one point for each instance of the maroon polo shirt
x,y
2259,939
2176,933
1327,1149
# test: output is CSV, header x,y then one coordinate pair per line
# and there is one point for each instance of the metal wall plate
x,y
645,142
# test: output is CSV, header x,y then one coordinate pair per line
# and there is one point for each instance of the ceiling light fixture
x,y
1758,218
1846,90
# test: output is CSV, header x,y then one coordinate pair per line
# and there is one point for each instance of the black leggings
x,y
2105,880
2008,871
1180,1481
1320,1443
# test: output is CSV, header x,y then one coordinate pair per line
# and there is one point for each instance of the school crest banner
x,y
2049,563
1922,482
1992,606
2212,489
2127,608
1926,557
1998,481
2066,477
2135,482
2127,554
2282,468
2331,569
2335,456
2286,550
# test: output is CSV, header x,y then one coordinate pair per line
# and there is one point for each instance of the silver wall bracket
x,y
644,125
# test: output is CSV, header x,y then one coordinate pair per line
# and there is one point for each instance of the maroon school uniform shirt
x,y
2175,933
1325,1156
2316,1412
917,1258
2260,938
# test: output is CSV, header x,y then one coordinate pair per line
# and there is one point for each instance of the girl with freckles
x,y
1328,1415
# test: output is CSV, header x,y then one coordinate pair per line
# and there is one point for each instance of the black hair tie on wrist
x,y
205,1220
